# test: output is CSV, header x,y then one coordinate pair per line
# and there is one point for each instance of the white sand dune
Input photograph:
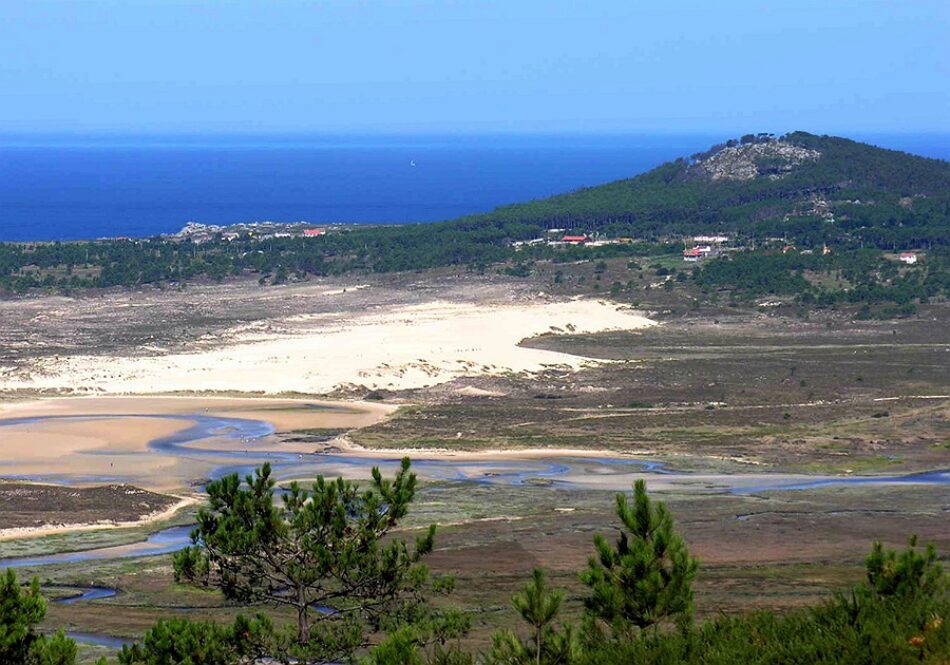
x,y
401,347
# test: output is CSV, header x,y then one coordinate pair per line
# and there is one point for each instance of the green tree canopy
x,y
647,576
326,553
20,610
179,641
547,645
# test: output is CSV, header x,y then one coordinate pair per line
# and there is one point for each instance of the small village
x,y
201,233
696,247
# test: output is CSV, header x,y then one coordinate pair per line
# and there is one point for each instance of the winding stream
x,y
85,594
164,541
248,450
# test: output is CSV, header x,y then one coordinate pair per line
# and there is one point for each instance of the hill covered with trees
x,y
765,192
800,185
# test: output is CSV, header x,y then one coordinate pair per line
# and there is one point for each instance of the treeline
x,y
869,278
859,276
358,593
104,264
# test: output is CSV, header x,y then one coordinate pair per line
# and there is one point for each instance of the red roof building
x,y
576,240
311,233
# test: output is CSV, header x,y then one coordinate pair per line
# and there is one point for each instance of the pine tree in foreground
x,y
646,578
539,608
904,573
326,554
20,610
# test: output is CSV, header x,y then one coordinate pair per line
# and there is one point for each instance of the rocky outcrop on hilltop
x,y
771,159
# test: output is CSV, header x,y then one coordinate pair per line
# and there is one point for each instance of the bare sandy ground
x,y
98,448
399,346
284,414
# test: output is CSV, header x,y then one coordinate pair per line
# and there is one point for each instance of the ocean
x,y
68,188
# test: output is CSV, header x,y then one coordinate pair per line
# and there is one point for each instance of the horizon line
x,y
328,132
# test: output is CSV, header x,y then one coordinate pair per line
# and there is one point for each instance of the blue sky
x,y
144,66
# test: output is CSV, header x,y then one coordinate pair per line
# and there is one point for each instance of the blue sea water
x,y
67,188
